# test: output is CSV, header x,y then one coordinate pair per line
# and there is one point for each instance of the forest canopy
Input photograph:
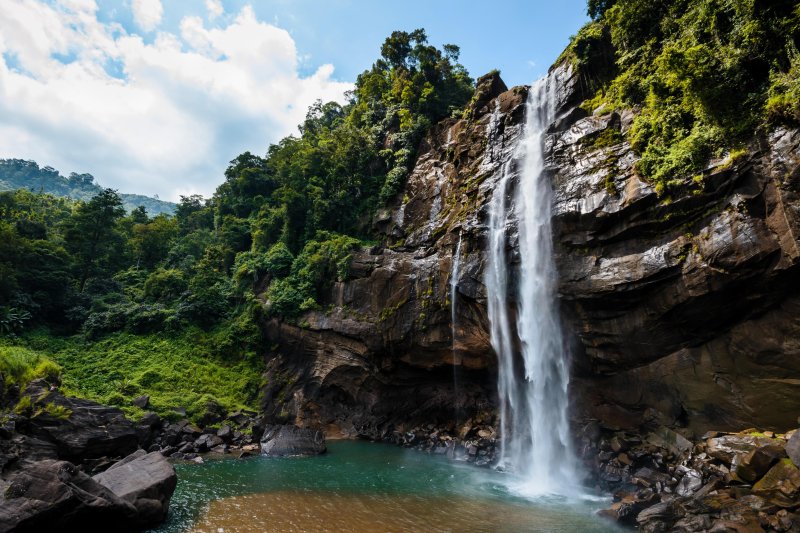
x,y
285,222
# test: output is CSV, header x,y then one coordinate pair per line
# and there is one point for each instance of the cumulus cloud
x,y
159,116
147,13
214,8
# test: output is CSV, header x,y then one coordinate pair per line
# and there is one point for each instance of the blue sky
x,y
156,96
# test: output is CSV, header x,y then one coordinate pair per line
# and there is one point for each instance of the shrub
x,y
165,285
146,318
20,366
100,323
12,320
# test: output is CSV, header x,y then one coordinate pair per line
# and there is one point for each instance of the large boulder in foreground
x,y
287,440
145,480
52,495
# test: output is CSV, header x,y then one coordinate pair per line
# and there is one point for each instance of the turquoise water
x,y
359,486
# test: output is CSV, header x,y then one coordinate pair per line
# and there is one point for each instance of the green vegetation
x,y
170,305
175,371
20,174
19,366
705,75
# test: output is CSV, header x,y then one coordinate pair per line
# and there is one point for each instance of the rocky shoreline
x,y
70,463
73,464
660,480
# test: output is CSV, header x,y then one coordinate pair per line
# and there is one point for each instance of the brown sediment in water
x,y
291,511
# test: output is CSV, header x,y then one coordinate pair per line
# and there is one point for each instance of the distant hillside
x,y
20,174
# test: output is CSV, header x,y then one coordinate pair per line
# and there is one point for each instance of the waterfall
x,y
454,322
532,366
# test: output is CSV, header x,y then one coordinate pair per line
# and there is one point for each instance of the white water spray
x,y
454,323
533,373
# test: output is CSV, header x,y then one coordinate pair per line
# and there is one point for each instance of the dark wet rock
x,y
141,401
146,481
151,420
727,447
793,448
691,482
207,441
660,517
85,430
755,464
781,485
670,440
52,495
225,432
285,440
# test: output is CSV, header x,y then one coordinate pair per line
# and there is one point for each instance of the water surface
x,y
362,487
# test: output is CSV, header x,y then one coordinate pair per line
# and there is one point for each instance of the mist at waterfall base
x,y
533,373
361,487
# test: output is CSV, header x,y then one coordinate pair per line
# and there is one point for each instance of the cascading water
x,y
533,373
454,323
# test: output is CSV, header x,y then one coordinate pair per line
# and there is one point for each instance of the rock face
x,y
286,440
682,309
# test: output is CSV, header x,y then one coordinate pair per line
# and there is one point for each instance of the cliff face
x,y
681,308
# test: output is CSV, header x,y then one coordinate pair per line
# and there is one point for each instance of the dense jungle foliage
x,y
705,76
142,300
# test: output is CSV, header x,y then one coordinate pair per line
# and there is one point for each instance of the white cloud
x,y
159,117
147,13
214,8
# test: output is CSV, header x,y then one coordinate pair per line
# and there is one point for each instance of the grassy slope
x,y
176,371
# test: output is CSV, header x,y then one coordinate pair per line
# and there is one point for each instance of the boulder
x,y
756,463
691,482
144,480
793,448
52,495
667,439
287,440
206,442
781,485
150,419
141,401
87,430
225,432
727,447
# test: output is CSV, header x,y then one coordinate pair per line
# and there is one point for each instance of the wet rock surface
x,y
50,450
145,480
292,441
726,482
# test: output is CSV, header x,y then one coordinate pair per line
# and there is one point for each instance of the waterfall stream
x,y
454,325
533,374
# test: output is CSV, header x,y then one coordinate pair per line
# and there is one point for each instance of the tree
x,y
91,235
151,241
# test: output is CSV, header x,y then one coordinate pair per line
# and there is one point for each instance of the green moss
x,y
602,139
388,312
